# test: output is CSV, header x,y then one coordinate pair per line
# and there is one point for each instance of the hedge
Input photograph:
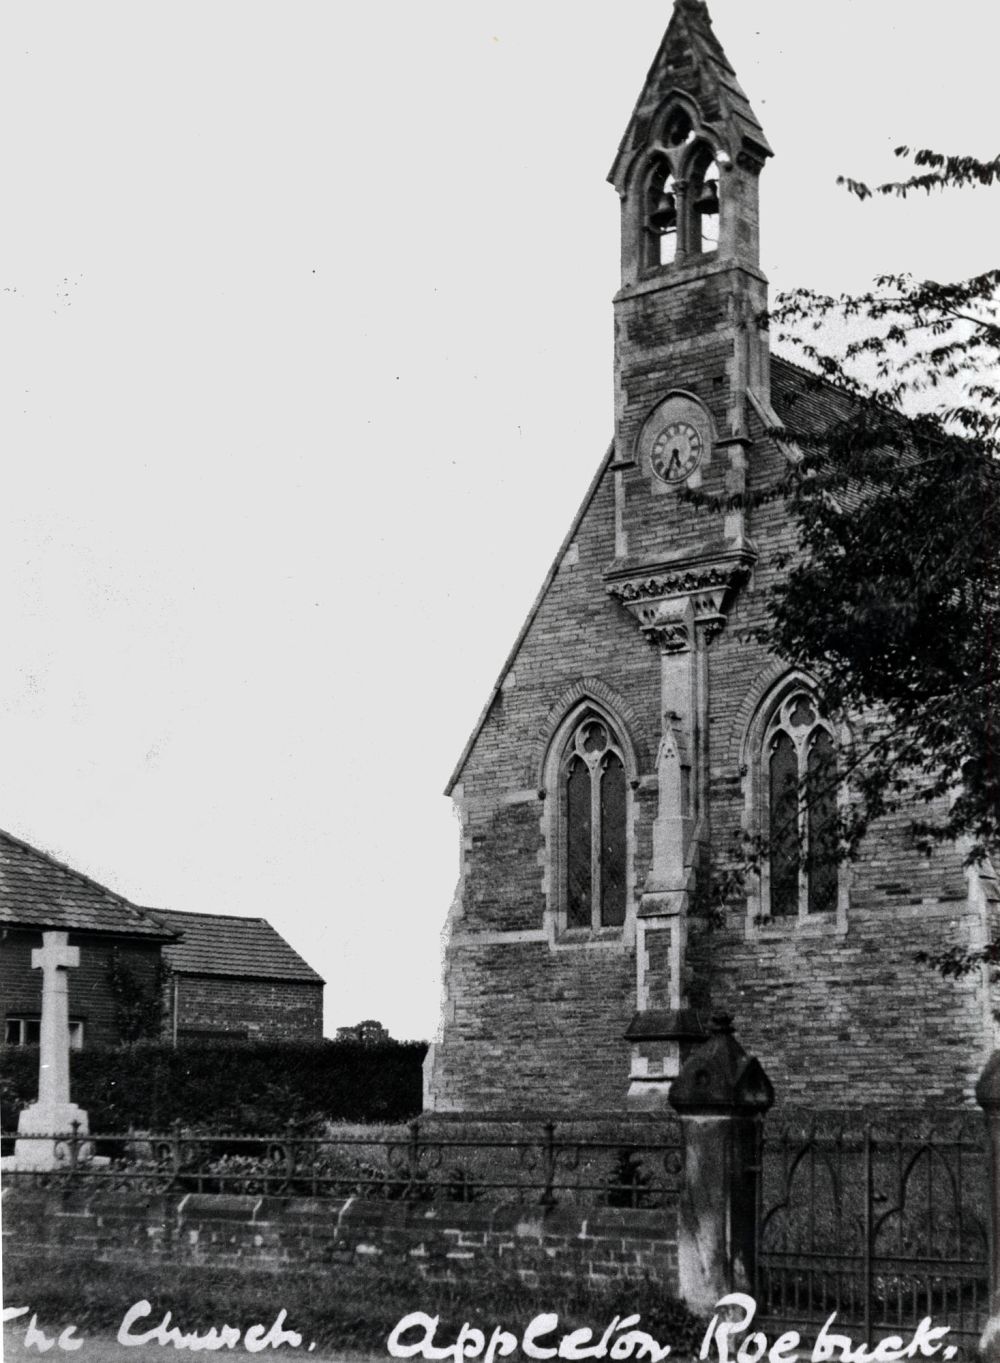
x,y
249,1088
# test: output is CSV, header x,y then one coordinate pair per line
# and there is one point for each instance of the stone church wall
x,y
535,1028
854,1021
540,1027
539,1030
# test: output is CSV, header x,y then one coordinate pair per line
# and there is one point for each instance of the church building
x,y
637,731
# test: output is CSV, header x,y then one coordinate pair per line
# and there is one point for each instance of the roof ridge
x,y
209,913
71,871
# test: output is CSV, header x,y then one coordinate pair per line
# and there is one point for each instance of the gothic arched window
x,y
594,798
662,217
800,787
682,205
703,198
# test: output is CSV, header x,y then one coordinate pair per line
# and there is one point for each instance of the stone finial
x,y
718,1076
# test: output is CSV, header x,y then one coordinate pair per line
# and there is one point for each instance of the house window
x,y
26,1031
594,807
799,769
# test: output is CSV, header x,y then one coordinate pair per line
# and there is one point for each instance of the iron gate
x,y
881,1219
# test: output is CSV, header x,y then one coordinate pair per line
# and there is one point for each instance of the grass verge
x,y
349,1309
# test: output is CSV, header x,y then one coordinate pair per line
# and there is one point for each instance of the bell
x,y
708,198
664,216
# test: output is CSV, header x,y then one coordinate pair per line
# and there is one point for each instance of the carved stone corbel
x,y
668,601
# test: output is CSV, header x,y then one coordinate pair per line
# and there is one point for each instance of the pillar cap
x,y
719,1077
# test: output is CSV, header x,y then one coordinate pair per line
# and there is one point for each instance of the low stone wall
x,y
441,1241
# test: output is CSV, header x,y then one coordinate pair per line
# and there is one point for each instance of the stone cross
x,y
54,958
53,1114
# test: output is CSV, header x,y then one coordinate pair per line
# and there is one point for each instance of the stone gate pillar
x,y
988,1098
720,1095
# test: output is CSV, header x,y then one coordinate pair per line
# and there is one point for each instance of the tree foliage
x,y
893,601
368,1033
138,999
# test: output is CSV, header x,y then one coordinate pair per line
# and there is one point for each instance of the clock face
x,y
676,452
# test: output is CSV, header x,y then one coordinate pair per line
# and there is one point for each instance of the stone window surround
x,y
685,164
582,751
753,769
554,829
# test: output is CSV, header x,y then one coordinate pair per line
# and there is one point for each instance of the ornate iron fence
x,y
879,1218
544,1165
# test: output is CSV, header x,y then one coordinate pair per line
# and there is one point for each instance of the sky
x,y
305,366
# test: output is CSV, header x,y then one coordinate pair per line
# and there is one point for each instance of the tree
x,y
893,597
369,1033
893,601
138,1002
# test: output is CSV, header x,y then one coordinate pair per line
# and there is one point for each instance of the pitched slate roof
x,y
226,944
804,400
36,891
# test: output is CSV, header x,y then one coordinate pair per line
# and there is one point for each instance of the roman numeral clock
x,y
676,452
673,443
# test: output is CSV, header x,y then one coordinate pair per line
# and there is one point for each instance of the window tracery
x,y
681,203
593,816
800,788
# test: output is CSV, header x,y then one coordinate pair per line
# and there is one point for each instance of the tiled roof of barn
x,y
37,891
226,944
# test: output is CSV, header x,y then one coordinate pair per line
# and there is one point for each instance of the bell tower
x,y
687,173
691,364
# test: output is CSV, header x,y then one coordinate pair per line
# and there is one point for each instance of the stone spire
x,y
691,63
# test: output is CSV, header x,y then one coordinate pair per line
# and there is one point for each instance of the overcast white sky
x,y
305,363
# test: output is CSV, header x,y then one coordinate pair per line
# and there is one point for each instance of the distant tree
x,y
369,1033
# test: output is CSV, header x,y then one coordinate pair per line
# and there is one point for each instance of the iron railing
x,y
879,1218
545,1164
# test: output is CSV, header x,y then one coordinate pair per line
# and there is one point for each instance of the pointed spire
x,y
691,62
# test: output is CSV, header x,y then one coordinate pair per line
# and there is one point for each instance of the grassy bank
x,y
349,1309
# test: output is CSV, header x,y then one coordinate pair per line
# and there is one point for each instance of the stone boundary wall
x,y
442,1241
